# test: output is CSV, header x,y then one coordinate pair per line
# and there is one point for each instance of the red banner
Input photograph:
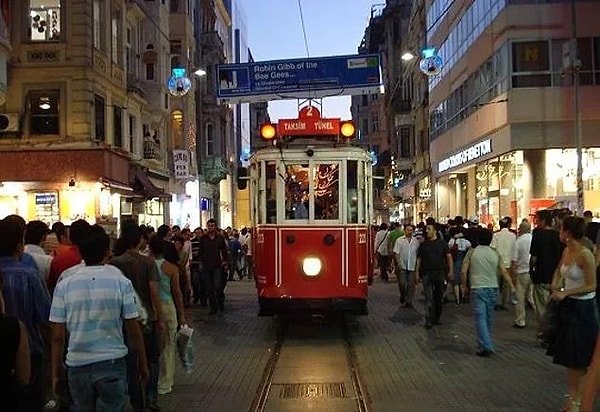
x,y
308,126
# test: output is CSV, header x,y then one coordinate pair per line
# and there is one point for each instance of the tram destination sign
x,y
298,78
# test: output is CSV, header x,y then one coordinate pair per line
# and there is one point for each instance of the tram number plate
x,y
260,238
362,238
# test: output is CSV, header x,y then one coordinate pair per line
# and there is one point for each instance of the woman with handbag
x,y
574,286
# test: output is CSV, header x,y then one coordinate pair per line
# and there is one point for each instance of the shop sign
x,y
45,198
425,193
181,164
464,156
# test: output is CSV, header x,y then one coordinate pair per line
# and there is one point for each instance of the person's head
x,y
543,219
505,222
244,231
11,238
409,230
59,229
211,226
430,231
163,231
178,241
186,233
451,222
157,246
524,227
131,236
36,232
459,220
198,232
78,231
430,221
485,237
572,228
175,230
94,246
383,226
587,215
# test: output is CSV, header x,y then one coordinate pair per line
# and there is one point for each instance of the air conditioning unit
x,y
9,122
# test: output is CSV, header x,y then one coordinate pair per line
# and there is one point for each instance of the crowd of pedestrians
x,y
90,323
553,267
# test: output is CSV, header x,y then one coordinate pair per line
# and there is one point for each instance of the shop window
x,y
99,117
44,110
209,140
44,23
99,25
118,126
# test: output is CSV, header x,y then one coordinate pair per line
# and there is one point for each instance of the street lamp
x,y
575,67
407,56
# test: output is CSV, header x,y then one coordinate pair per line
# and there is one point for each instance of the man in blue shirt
x,y
26,298
94,305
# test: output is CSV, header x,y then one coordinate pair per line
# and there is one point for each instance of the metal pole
x,y
575,66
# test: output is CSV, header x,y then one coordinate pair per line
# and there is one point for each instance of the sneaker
x,y
164,391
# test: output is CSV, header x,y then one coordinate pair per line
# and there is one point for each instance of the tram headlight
x,y
311,266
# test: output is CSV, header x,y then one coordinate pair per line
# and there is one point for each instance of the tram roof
x,y
320,152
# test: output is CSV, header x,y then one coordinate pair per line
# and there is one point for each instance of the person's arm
x,y
23,360
173,273
57,347
418,270
464,270
450,262
135,335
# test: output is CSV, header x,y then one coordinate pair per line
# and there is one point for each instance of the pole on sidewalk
x,y
575,67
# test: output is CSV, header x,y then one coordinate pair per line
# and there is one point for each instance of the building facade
x,y
502,111
89,114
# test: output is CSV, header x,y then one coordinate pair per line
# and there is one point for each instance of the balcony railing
x,y
152,150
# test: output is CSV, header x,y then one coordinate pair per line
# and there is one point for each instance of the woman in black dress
x,y
574,286
15,367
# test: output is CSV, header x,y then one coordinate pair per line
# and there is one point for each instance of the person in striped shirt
x,y
93,305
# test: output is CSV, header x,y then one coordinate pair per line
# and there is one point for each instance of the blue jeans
x,y
100,386
483,301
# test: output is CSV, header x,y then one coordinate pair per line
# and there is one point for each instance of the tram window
x,y
352,191
271,192
327,197
296,191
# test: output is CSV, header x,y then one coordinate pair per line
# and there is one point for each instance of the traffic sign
x,y
298,78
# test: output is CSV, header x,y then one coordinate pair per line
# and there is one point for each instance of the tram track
x,y
266,395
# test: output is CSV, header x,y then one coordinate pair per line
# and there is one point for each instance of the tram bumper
x,y
275,306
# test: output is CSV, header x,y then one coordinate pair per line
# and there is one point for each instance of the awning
x,y
143,185
116,187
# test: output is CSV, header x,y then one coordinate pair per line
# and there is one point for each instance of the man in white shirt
x,y
381,251
520,270
246,241
405,255
503,241
36,232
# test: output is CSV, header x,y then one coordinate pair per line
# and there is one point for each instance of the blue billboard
x,y
298,78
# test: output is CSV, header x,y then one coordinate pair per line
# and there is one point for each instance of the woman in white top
x,y
574,286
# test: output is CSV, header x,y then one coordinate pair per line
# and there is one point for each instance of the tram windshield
x,y
310,191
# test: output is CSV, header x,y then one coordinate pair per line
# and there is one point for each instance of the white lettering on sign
x,y
465,156
324,125
295,126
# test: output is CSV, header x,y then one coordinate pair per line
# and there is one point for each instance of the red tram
x,y
311,205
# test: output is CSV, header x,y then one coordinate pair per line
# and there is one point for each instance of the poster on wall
x,y
46,207
181,164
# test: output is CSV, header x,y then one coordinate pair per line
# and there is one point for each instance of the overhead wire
x,y
303,28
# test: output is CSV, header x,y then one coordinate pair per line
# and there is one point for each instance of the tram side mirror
x,y
242,178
